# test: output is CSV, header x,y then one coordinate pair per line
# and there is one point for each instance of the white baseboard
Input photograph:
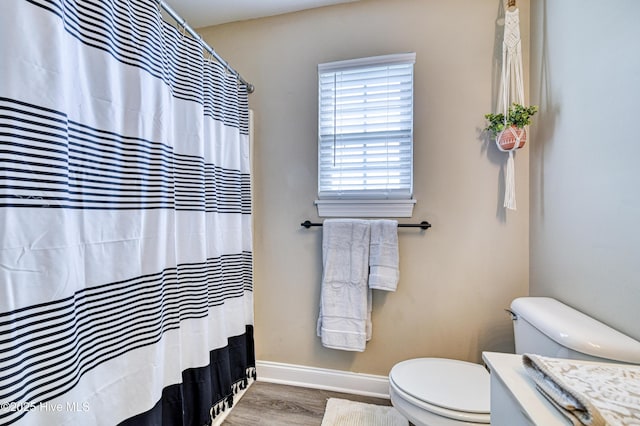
x,y
322,378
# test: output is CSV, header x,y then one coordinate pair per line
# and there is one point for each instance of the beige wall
x,y
456,278
585,178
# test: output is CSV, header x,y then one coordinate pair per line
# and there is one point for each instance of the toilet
x,y
446,392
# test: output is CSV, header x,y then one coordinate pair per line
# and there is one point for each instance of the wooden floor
x,y
270,404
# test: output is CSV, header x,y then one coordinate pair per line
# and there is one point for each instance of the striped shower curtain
x,y
125,225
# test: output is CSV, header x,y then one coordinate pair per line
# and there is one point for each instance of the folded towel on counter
x,y
383,257
345,301
588,393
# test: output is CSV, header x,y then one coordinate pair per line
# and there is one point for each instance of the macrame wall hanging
x,y
511,133
512,88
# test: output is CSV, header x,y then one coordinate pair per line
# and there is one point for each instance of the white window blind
x,y
365,128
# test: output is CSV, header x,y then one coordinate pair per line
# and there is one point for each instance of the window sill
x,y
365,208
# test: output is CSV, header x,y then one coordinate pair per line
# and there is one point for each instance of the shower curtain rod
x,y
203,43
423,225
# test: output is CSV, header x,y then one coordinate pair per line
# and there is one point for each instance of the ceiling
x,y
202,13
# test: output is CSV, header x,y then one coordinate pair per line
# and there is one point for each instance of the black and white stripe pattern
x,y
50,161
133,33
126,278
46,349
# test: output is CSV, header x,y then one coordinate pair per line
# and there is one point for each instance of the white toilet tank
x,y
547,327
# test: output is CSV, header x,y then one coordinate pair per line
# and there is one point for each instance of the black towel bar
x,y
422,225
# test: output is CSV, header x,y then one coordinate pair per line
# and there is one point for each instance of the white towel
x,y
384,258
588,393
345,321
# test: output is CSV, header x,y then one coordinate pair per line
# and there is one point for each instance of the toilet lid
x,y
451,384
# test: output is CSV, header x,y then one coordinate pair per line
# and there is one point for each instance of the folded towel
x,y
384,258
588,393
345,321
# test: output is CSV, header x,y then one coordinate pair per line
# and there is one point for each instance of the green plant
x,y
517,115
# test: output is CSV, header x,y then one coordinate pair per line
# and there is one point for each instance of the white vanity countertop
x,y
508,369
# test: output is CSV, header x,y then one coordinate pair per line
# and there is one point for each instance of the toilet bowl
x,y
440,392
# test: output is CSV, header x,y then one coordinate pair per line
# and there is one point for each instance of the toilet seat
x,y
453,389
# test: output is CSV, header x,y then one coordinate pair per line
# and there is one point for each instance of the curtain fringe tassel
x,y
242,384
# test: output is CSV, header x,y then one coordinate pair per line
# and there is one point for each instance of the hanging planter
x,y
511,134
511,138
508,127
510,131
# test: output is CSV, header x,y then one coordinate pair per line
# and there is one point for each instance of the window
x,y
365,135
